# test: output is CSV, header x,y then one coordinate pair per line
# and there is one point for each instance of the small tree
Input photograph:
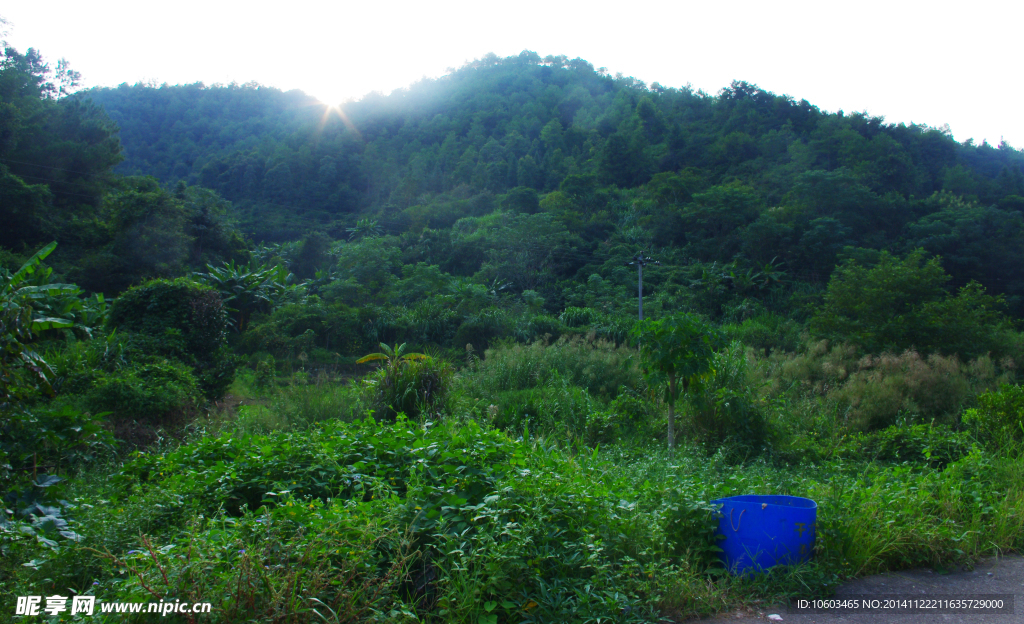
x,y
679,349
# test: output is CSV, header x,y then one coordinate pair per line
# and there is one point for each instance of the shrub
x,y
936,446
889,387
153,392
902,304
606,326
999,417
48,438
883,390
77,365
484,328
179,319
299,406
578,317
558,408
544,327
599,366
408,384
729,409
294,328
767,332
266,373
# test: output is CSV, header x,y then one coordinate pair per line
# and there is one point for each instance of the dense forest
x,y
395,344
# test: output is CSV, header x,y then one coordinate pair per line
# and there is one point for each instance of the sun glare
x,y
330,96
335,110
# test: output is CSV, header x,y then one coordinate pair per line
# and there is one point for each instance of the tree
x,y
521,199
902,303
622,161
247,289
679,349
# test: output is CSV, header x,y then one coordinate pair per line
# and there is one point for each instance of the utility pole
x,y
641,261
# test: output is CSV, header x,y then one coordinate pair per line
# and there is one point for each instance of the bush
x,y
77,365
578,317
48,438
154,393
179,319
266,373
606,326
889,388
599,366
410,384
936,446
300,406
729,409
484,328
766,332
902,304
884,390
301,327
999,417
558,408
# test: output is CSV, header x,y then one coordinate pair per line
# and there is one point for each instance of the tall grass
x,y
299,405
599,366
887,389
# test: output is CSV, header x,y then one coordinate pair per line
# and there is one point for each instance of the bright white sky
x,y
932,63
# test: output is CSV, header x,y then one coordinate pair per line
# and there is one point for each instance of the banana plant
x,y
246,290
364,228
393,357
24,317
52,305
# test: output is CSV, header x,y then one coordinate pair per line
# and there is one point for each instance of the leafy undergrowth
x,y
455,522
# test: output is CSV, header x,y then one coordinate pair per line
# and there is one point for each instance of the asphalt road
x,y
992,576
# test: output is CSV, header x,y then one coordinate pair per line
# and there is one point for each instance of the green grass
x,y
303,508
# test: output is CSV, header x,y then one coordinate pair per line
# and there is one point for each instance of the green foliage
x,y
52,438
932,445
298,502
407,383
300,328
156,392
873,392
901,304
48,438
577,317
298,406
495,520
887,389
364,228
266,372
246,290
765,331
179,319
999,417
33,308
598,366
728,409
358,461
50,134
680,350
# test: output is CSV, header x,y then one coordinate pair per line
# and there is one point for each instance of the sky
x,y
931,63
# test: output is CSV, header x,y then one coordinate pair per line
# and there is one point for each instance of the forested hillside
x,y
742,173
383,363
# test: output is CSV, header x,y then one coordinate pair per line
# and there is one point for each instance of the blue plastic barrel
x,y
763,531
